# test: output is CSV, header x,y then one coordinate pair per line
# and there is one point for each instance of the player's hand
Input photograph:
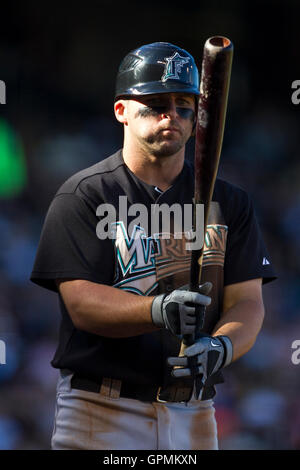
x,y
205,357
181,311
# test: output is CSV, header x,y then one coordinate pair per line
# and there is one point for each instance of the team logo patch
x,y
143,261
173,66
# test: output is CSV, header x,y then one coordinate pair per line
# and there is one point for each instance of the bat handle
x,y
188,340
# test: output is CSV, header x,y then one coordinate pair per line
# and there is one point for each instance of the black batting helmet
x,y
159,67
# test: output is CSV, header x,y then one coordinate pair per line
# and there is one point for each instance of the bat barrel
x,y
214,87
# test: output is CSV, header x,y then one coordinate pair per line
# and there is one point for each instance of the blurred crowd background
x,y
59,64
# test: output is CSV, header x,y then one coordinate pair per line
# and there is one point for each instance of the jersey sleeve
x,y
246,254
69,246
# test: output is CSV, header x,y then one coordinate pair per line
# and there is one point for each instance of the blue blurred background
x,y
59,64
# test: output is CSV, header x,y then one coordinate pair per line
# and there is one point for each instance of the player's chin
x,y
172,146
167,149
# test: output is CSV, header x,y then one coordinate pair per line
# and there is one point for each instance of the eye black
x,y
184,113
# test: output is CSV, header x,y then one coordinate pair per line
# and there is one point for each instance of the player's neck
x,y
156,171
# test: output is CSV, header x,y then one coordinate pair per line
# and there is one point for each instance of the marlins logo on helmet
x,y
173,66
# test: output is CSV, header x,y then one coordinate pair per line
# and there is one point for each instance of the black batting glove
x,y
179,311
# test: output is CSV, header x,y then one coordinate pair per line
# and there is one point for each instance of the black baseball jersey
x,y
70,247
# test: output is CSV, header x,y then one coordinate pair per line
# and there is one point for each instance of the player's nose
x,y
170,110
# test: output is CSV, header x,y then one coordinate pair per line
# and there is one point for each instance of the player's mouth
x,y
170,130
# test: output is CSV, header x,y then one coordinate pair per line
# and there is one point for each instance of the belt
x,y
115,388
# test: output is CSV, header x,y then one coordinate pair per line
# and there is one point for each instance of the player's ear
x,y
120,108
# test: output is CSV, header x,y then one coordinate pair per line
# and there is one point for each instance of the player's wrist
x,y
228,349
156,311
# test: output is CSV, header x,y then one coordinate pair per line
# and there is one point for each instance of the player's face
x,y
161,123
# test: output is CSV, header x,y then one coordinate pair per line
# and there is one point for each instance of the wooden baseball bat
x,y
212,106
214,88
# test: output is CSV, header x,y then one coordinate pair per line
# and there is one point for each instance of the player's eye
x,y
183,102
159,109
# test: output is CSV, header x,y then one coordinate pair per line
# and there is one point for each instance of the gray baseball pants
x,y
101,421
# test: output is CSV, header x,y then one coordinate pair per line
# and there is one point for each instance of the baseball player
x,y
122,286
